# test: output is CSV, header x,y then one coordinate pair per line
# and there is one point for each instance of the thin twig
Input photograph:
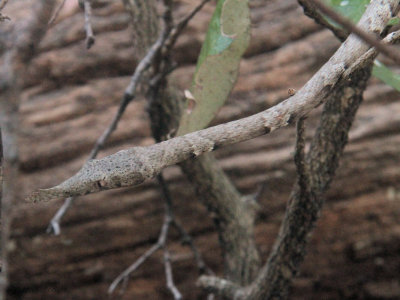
x,y
54,225
57,12
312,12
167,261
90,39
17,55
129,95
175,150
186,238
367,37
168,274
124,276
3,4
178,28
160,244
144,65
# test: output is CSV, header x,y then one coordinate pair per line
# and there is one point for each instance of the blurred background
x,y
69,98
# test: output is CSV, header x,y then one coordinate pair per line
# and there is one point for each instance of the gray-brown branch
x,y
133,166
233,214
21,39
307,199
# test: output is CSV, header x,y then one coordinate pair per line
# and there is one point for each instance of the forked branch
x,y
135,165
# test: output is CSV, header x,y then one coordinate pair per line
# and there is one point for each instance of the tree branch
x,y
129,95
87,8
367,37
169,219
57,12
219,286
311,11
22,40
124,276
233,215
306,201
135,165
299,159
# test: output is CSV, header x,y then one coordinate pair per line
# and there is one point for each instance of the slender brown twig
x,y
17,55
311,11
3,4
90,39
178,28
186,238
168,274
56,12
129,95
124,276
160,244
351,27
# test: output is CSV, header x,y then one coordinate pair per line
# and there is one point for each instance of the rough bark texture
x,y
306,201
72,95
21,39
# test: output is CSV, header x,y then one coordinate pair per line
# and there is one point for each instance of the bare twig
x,y
129,94
160,244
186,238
306,200
304,206
54,225
124,276
3,4
219,286
57,12
178,28
167,261
24,39
144,65
311,11
168,274
367,37
90,39
147,162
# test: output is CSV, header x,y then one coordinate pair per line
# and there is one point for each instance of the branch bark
x,y
234,216
135,165
21,37
306,203
314,177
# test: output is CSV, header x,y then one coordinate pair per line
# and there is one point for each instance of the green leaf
x,y
217,67
351,9
394,21
386,75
